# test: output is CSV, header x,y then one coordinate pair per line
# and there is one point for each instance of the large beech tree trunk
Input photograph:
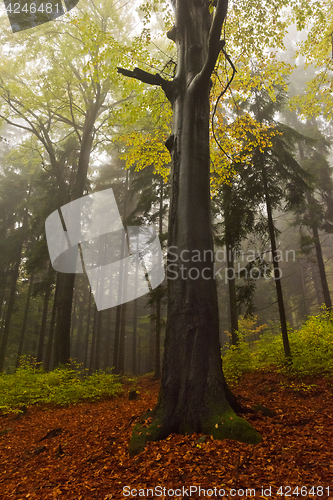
x,y
193,396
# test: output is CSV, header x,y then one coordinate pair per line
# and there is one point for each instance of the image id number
x,y
304,491
32,8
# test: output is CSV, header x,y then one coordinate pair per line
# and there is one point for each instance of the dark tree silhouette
x,y
194,396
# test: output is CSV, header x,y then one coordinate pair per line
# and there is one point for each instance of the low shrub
x,y
311,349
31,385
238,360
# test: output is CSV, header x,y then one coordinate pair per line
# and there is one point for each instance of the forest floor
x,y
84,455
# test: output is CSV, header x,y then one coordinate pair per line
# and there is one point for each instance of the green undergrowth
x,y
30,385
311,349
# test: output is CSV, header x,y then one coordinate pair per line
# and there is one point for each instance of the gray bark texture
x,y
194,397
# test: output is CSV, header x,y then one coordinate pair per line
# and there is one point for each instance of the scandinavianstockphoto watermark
x,y
186,264
124,263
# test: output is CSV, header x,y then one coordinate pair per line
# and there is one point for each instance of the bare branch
x,y
146,77
72,112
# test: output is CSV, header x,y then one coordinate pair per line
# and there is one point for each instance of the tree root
x,y
225,426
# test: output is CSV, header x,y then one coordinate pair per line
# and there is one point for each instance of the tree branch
x,y
72,112
146,77
215,44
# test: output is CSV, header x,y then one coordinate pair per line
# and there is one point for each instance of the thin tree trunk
x,y
119,314
80,336
93,343
227,193
316,283
139,354
43,326
64,310
99,326
232,296
316,239
74,316
152,327
44,320
304,307
121,359
25,320
122,333
321,267
116,337
4,277
86,343
48,356
119,347
11,303
62,344
158,294
277,273
157,373
134,339
107,345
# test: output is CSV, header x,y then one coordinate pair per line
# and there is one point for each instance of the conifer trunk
x,y
277,274
25,321
50,341
42,332
11,301
86,343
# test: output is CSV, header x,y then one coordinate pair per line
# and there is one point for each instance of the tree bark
x,y
232,296
277,276
321,266
93,343
86,343
228,231
42,332
11,301
157,372
99,326
107,343
122,339
159,291
117,333
194,396
151,351
25,320
62,345
3,284
134,338
79,342
48,359
64,310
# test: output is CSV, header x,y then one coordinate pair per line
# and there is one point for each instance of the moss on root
x,y
142,434
230,426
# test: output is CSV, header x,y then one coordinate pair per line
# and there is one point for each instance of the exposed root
x,y
226,426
